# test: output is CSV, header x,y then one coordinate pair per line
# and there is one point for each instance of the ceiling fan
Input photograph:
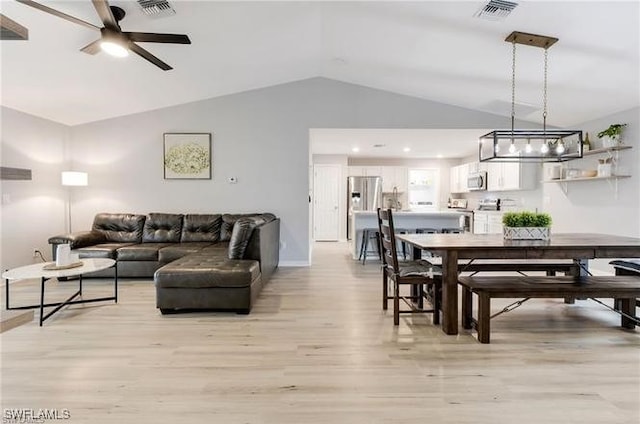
x,y
112,39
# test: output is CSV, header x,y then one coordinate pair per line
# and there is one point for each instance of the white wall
x,y
32,211
260,136
601,206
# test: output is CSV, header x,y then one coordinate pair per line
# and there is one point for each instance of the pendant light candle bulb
x,y
560,148
528,148
544,149
512,148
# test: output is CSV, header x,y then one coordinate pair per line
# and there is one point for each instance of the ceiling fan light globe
x,y
114,49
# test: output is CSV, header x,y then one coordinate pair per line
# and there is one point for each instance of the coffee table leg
x,y
42,280
80,285
6,293
115,282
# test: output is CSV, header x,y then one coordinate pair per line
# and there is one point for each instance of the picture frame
x,y
187,156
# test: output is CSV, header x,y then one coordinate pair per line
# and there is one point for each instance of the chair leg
x,y
385,290
362,244
396,303
437,296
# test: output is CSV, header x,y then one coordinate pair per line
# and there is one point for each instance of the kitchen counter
x,y
407,220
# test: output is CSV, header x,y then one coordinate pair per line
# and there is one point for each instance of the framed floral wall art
x,y
187,156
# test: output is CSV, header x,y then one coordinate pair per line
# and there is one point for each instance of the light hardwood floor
x,y
317,348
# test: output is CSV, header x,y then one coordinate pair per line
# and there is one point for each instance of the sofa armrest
x,y
79,239
264,247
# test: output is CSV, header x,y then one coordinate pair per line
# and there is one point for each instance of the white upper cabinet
x,y
394,176
459,175
365,171
503,176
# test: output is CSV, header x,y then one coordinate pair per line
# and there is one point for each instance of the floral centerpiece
x,y
526,226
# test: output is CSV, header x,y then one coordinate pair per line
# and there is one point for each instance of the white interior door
x,y
326,189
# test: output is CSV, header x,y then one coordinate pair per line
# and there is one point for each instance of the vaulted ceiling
x,y
435,50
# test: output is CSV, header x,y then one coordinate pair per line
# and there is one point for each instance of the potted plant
x,y
526,226
612,135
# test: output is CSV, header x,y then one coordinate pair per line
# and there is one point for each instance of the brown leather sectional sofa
x,y
198,261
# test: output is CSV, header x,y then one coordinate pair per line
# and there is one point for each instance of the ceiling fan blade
x,y
92,48
147,37
57,13
151,58
104,11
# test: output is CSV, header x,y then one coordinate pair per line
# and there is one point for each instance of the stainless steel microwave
x,y
477,181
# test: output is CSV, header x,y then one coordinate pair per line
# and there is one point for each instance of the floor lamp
x,y
73,178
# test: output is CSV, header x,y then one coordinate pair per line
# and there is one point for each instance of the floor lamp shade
x,y
74,178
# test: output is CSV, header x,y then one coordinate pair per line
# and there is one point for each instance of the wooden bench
x,y
624,289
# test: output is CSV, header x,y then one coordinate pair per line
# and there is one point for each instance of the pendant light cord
x,y
544,92
513,86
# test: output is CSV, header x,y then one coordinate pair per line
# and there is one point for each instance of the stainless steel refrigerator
x,y
363,194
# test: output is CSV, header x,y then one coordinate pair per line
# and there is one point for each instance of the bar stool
x,y
427,231
367,235
404,245
427,255
452,230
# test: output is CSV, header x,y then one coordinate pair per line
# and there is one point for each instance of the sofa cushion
x,y
201,271
119,227
229,219
200,227
103,250
162,228
176,251
141,252
242,230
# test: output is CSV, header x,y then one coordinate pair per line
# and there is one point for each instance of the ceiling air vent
x,y
156,8
496,10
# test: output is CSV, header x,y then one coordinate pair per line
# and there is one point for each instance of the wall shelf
x,y
606,150
613,153
569,180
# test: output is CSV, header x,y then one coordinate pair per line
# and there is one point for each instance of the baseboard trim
x,y
286,264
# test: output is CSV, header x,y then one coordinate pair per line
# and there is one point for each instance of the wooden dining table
x,y
578,247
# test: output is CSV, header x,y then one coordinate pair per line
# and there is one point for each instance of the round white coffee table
x,y
37,271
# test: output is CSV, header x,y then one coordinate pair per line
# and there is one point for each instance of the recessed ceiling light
x,y
355,149
406,149
439,156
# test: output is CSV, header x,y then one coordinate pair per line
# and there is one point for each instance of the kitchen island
x,y
407,220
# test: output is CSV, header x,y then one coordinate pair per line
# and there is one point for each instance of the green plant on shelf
x,y
614,131
526,219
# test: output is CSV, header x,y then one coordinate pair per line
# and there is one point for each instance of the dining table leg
x,y
450,292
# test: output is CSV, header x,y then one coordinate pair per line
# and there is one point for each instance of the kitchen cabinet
x,y
507,176
395,176
458,178
365,171
487,222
